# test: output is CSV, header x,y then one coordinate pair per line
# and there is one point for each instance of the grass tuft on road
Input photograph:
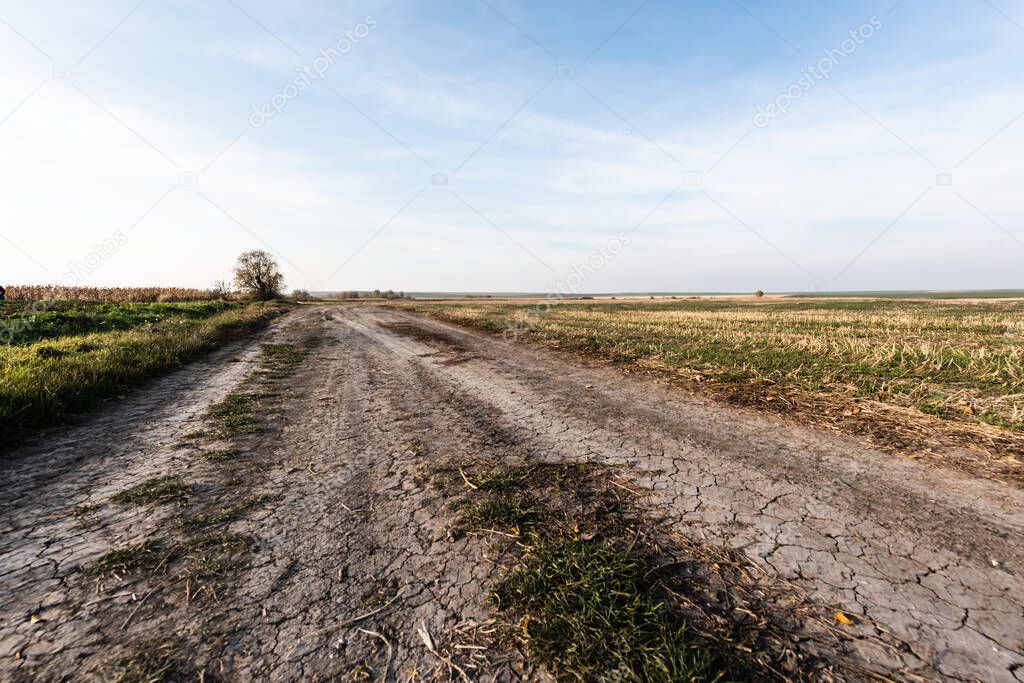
x,y
590,613
586,605
238,413
499,512
156,491
221,455
147,556
503,480
204,556
208,519
282,359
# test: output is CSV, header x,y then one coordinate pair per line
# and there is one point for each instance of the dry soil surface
x,y
354,563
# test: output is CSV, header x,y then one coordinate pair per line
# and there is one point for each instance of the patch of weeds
x,y
147,556
591,613
236,413
504,512
224,541
281,360
204,520
202,567
212,555
591,606
156,491
221,455
417,448
196,435
503,480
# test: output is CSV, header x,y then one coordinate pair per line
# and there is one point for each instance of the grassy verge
x,y
75,318
43,381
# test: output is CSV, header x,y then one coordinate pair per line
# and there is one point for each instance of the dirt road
x,y
354,554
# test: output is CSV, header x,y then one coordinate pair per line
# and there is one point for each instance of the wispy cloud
x,y
556,169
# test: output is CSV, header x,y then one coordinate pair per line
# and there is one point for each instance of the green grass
x,y
588,606
43,381
208,519
281,360
156,491
503,480
238,413
77,318
591,613
499,512
147,556
222,455
209,554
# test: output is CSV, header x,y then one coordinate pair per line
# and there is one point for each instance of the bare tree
x,y
221,289
257,275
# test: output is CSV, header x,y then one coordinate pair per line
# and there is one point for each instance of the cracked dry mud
x,y
354,553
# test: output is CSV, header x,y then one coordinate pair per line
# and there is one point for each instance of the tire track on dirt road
x,y
355,551
355,548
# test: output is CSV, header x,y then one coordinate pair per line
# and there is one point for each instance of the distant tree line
x,y
375,294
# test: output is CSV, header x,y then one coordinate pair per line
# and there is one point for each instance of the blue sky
x,y
132,156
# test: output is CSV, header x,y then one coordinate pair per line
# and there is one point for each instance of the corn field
x,y
107,294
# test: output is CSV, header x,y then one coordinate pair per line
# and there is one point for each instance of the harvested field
x,y
935,380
